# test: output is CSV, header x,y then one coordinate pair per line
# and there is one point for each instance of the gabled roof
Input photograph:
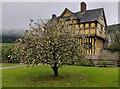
x,y
87,16
65,12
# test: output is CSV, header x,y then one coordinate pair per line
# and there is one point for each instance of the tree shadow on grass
x,y
61,80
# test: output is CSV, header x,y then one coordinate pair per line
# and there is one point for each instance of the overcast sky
x,y
15,15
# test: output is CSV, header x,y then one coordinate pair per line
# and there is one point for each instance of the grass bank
x,y
69,76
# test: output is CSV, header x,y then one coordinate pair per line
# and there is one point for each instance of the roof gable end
x,y
66,11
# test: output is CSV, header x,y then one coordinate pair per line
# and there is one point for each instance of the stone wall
x,y
109,55
106,58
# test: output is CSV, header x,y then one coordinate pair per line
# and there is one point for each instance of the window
x,y
67,18
86,43
90,45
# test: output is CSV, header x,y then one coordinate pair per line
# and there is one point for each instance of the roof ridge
x,y
68,9
89,10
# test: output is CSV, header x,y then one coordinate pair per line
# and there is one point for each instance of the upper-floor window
x,y
67,18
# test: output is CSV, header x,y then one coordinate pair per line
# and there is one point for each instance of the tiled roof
x,y
87,16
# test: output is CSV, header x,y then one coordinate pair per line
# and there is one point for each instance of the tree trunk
x,y
55,69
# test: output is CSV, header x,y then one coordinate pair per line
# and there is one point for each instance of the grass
x,y
69,76
5,47
0,64
8,65
7,44
0,79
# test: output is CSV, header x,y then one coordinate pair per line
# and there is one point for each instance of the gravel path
x,y
10,67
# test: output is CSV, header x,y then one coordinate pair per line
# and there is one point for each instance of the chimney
x,y
53,15
83,7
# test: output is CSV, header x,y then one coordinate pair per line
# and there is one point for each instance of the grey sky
x,y
15,15
119,12
0,20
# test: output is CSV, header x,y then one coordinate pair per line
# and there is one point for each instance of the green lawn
x,y
0,79
69,76
7,44
7,65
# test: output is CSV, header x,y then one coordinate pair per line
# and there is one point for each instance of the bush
x,y
114,47
86,63
5,53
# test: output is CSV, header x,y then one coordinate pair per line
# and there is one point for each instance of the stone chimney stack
x,y
83,7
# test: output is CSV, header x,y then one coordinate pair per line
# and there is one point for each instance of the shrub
x,y
86,63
